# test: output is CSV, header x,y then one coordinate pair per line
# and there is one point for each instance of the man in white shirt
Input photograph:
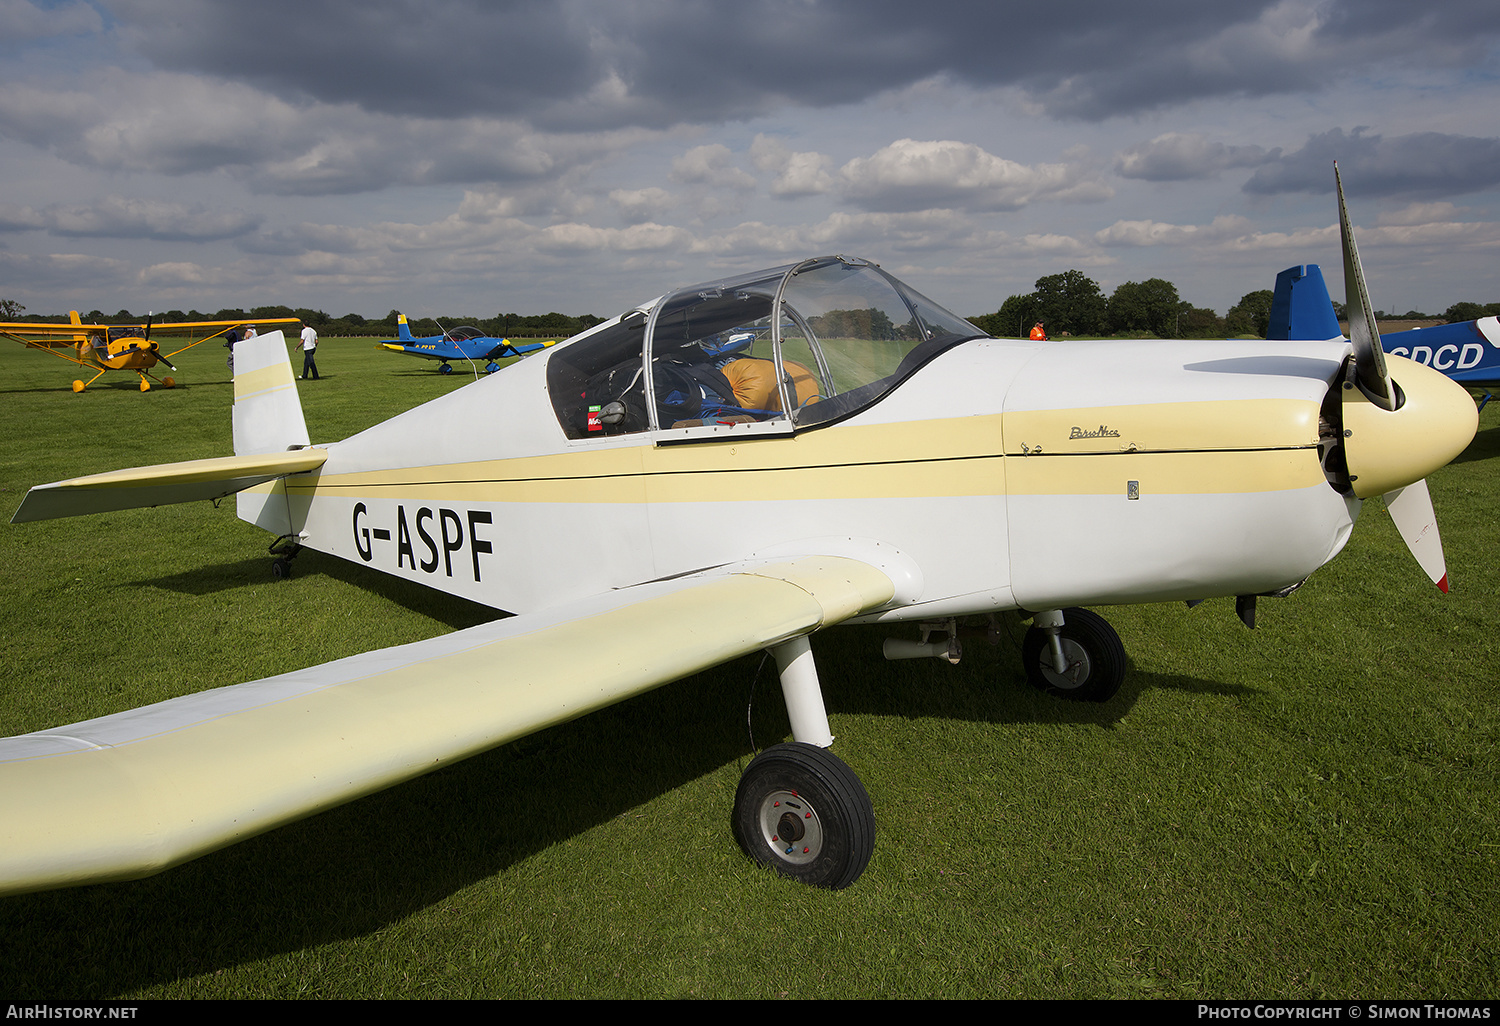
x,y
309,346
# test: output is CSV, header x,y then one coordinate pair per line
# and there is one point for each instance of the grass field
x,y
1306,810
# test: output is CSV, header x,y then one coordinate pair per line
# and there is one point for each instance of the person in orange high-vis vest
x,y
1037,334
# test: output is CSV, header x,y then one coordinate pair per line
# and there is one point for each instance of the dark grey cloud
x,y
1424,165
22,22
584,64
116,217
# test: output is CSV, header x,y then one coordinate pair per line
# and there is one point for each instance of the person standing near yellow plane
x,y
309,346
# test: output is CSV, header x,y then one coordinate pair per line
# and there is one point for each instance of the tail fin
x,y
403,331
1300,307
74,319
267,413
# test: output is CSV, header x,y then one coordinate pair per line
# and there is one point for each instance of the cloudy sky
x,y
486,156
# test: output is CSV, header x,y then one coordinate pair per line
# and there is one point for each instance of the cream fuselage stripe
x,y
951,457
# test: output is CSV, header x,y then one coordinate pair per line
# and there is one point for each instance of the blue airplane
x,y
1466,351
465,343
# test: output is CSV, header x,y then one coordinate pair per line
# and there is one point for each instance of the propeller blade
x,y
1369,358
1411,510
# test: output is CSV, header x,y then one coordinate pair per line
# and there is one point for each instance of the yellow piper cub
x,y
120,347
732,467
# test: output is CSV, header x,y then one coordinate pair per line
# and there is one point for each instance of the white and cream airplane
x,y
732,467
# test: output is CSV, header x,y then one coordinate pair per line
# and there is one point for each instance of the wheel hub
x,y
1079,667
790,827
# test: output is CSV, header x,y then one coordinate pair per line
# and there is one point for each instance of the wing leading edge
x,y
131,794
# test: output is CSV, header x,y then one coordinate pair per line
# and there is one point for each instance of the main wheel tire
x,y
281,569
1096,658
445,369
801,811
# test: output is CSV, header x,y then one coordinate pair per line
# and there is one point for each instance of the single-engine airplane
x,y
462,343
1466,351
127,347
731,468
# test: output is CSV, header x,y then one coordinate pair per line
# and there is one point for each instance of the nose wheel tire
x,y
1094,654
801,811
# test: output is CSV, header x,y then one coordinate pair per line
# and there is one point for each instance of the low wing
x,y
129,795
161,485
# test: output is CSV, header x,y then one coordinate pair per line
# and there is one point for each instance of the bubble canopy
x,y
789,347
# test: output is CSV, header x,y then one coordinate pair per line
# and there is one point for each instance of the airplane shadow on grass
x,y
371,863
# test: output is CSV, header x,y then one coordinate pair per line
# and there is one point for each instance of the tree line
x,y
505,325
1071,303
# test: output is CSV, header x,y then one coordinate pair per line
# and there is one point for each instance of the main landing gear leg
x,y
799,809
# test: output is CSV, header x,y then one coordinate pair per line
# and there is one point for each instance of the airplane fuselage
x,y
1003,474
1468,352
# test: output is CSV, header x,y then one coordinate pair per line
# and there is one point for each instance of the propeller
x,y
155,347
1395,433
1369,358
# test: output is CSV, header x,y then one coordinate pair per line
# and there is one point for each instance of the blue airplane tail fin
x,y
1300,307
403,331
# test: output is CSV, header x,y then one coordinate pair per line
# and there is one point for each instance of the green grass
x,y
1304,810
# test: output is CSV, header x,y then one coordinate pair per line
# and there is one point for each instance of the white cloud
x,y
795,174
711,165
913,175
1420,214
1156,233
638,205
1175,156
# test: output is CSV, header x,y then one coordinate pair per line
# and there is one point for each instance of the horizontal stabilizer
x,y
131,794
162,485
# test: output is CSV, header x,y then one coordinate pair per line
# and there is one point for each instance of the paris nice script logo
x,y
1103,432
